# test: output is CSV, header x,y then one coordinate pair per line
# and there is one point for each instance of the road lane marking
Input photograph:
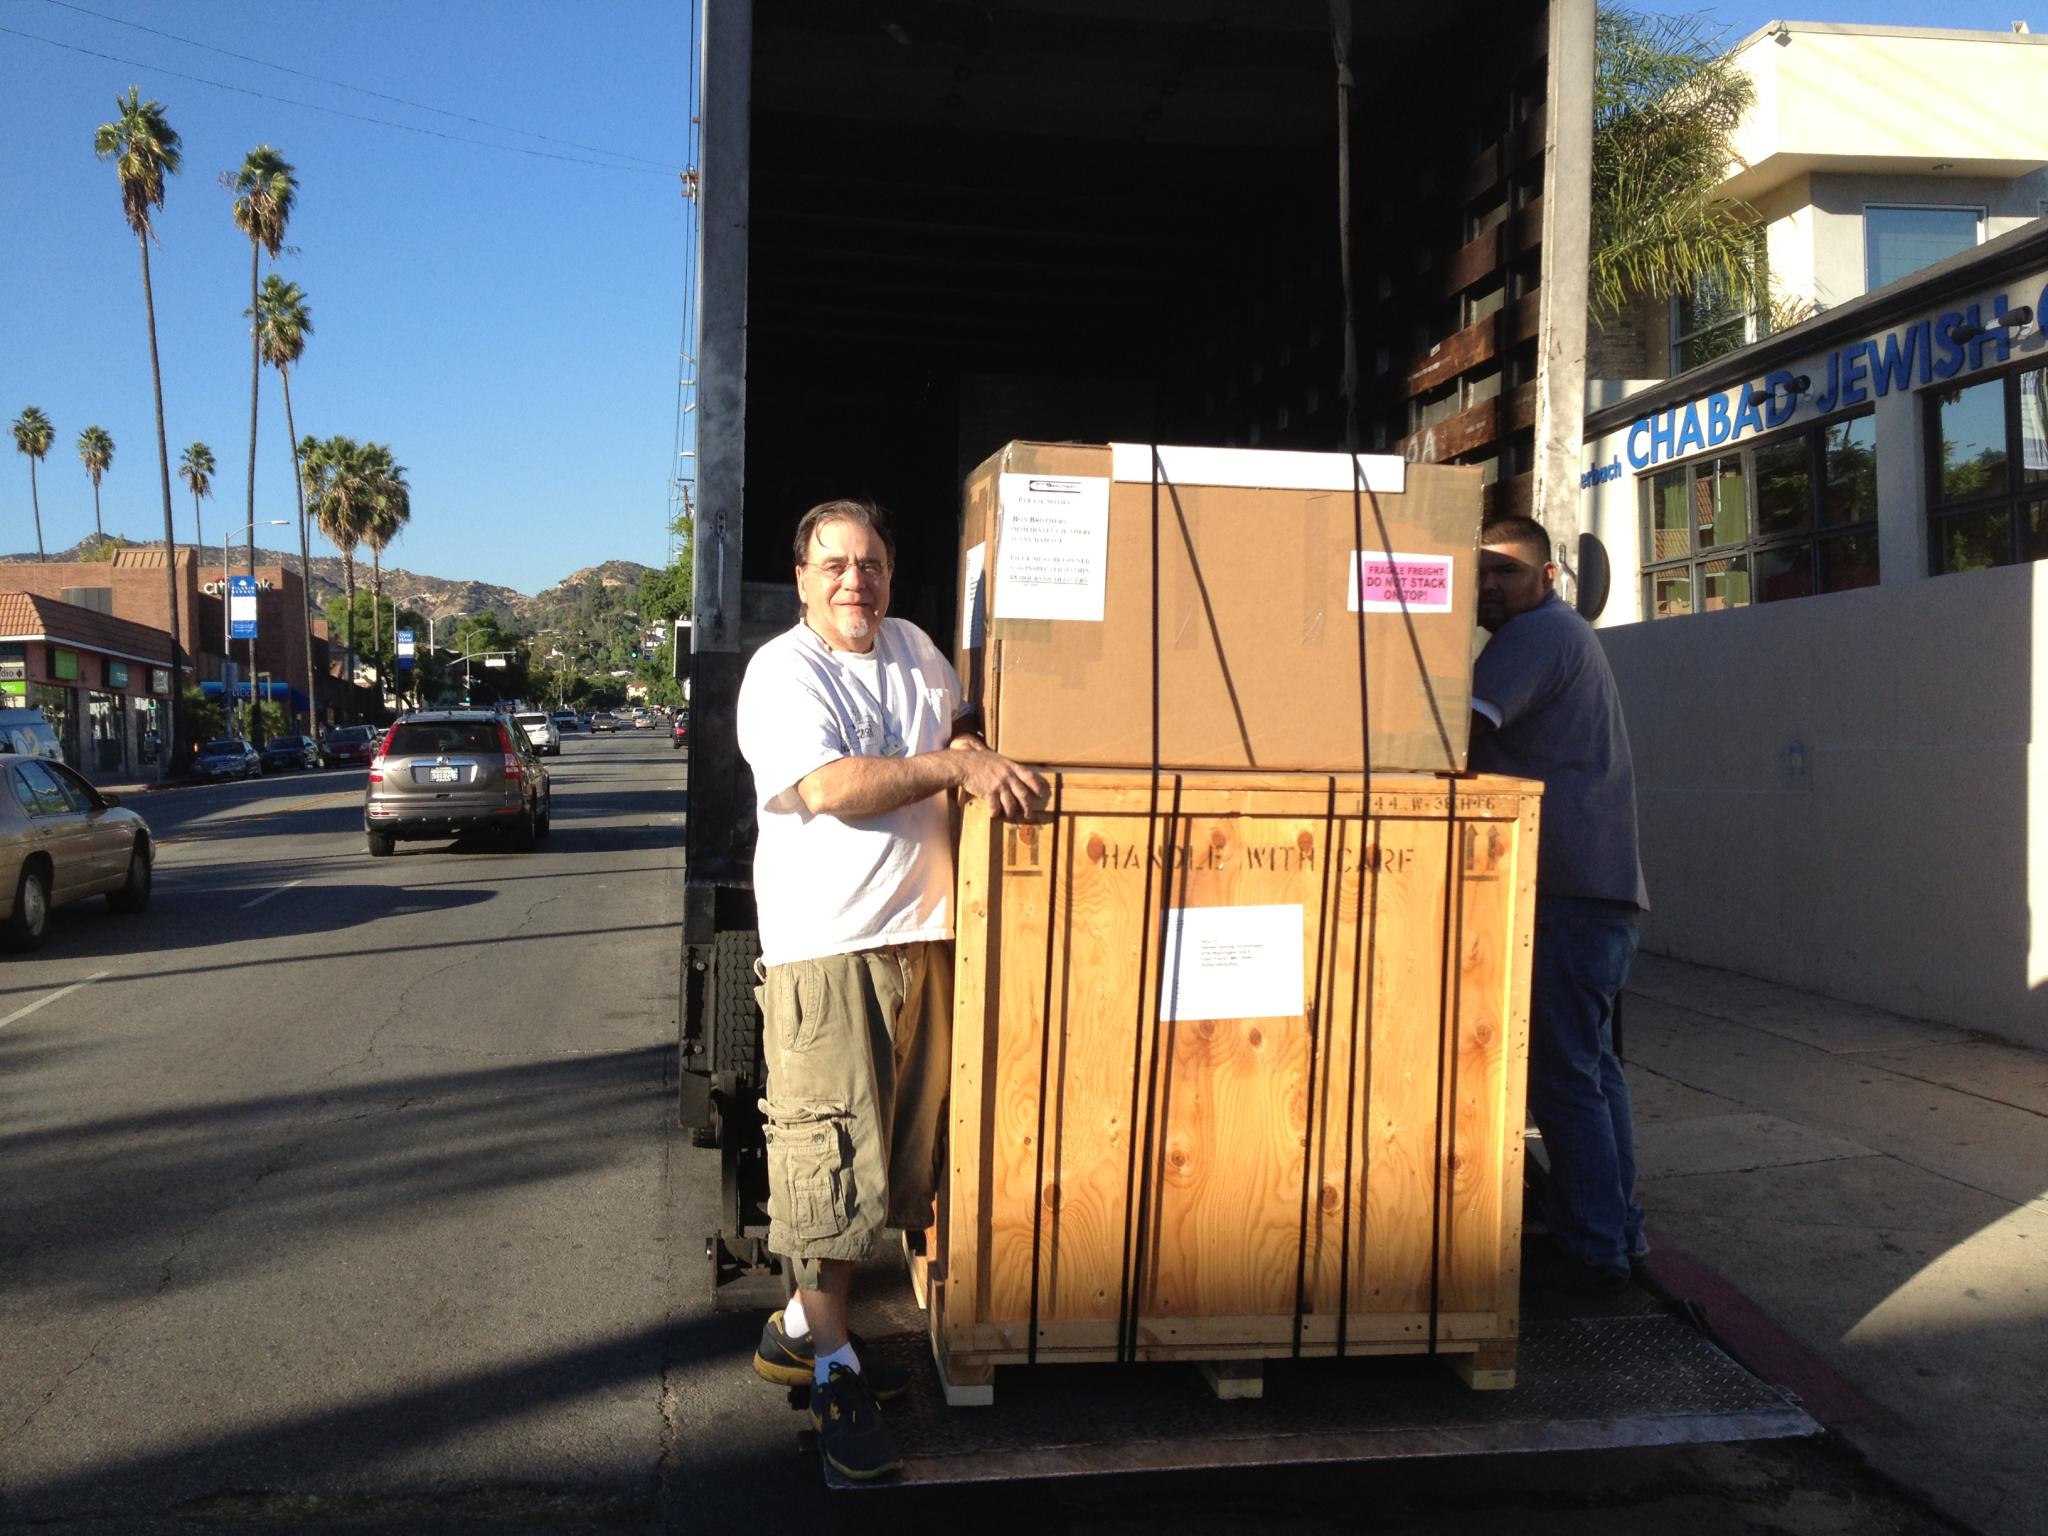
x,y
279,891
44,1002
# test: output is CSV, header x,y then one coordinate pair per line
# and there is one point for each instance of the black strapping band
x,y
1047,1016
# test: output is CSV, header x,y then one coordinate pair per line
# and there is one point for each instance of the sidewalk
x,y
1861,1203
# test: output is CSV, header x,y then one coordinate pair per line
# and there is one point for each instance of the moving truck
x,y
929,228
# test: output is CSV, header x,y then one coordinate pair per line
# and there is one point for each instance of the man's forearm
x,y
869,786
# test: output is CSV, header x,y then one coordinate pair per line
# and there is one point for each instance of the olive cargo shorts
x,y
858,1049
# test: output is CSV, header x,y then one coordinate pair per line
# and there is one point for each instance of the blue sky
x,y
507,323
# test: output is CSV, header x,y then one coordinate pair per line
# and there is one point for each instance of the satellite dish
x,y
1595,576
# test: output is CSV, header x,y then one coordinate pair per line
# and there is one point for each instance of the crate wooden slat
x,y
1344,1180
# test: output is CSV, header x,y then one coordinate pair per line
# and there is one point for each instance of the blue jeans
x,y
1577,1093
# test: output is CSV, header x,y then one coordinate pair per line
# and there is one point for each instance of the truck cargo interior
x,y
974,223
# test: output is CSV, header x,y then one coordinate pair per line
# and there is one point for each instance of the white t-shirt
x,y
827,885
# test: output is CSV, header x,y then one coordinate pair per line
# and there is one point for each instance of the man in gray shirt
x,y
1545,707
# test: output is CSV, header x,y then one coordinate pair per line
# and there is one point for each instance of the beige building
x,y
1829,617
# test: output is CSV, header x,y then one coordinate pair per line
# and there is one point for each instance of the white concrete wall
x,y
1849,793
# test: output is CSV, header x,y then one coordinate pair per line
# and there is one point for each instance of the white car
x,y
540,730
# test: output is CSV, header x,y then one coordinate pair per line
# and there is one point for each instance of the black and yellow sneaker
x,y
789,1361
849,1425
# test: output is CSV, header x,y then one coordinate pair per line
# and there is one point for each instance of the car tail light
x,y
513,767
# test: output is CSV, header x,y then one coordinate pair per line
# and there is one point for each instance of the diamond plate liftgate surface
x,y
1634,1376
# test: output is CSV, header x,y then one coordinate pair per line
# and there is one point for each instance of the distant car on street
x,y
567,721
62,840
228,757
351,746
299,752
27,732
447,772
679,729
603,720
643,721
540,730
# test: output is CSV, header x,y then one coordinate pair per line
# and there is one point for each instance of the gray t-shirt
x,y
1560,722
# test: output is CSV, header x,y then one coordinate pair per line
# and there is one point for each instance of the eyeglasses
x,y
835,570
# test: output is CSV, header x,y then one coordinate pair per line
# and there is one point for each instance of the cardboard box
x,y
1131,605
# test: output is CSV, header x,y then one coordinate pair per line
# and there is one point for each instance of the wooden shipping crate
x,y
1333,1168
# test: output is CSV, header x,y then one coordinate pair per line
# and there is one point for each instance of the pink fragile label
x,y
1388,584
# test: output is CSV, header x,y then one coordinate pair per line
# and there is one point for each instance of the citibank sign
x,y
1912,356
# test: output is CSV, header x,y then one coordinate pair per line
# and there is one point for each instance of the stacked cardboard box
x,y
1139,606
1241,1031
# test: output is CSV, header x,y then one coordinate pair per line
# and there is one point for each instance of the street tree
x,y
1667,102
338,497
390,509
265,191
96,453
33,435
196,470
283,322
145,149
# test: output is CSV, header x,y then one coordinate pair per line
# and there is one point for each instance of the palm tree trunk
x,y
171,749
255,393
348,569
376,612
198,533
305,557
99,531
35,500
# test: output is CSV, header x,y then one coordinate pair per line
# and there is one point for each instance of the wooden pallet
x,y
1139,1182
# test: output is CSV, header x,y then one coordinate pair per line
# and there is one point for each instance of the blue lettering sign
x,y
1690,432
1779,401
1747,417
1637,458
1950,362
1825,400
1895,363
1853,360
1662,429
1717,421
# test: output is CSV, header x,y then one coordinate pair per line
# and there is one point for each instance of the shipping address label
x,y
1052,550
1233,963
1383,583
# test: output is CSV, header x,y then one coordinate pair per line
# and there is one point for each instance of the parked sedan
x,y
61,840
300,752
446,772
679,730
351,746
228,757
603,720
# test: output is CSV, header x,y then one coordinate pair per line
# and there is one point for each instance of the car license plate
x,y
443,775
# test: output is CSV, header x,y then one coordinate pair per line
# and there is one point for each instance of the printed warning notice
x,y
971,611
1052,550
1381,583
1232,963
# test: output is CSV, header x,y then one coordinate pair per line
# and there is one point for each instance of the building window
x,y
1987,468
1899,241
1788,517
1714,320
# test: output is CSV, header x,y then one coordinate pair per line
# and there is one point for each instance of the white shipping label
x,y
1383,584
971,583
1232,963
1052,550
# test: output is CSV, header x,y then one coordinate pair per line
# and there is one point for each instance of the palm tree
x,y
1667,100
266,191
33,435
282,325
335,486
96,453
196,470
390,509
144,148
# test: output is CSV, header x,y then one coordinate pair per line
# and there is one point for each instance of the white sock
x,y
794,1323
843,1355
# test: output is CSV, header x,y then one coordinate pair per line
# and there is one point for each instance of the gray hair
x,y
867,514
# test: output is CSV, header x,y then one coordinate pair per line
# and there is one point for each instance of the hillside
x,y
440,596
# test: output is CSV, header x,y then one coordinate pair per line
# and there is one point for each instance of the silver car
x,y
62,840
447,772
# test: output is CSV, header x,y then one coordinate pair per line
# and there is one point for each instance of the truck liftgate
x,y
927,231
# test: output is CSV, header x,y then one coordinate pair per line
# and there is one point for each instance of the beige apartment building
x,y
1829,615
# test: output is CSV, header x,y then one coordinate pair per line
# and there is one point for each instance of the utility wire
x,y
420,106
382,122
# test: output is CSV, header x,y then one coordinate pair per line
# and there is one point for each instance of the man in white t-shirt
x,y
854,725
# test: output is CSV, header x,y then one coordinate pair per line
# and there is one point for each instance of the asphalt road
x,y
340,1193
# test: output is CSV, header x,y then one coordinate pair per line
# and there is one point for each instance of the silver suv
x,y
541,731
447,772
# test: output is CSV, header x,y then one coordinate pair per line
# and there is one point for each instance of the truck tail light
x,y
514,769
